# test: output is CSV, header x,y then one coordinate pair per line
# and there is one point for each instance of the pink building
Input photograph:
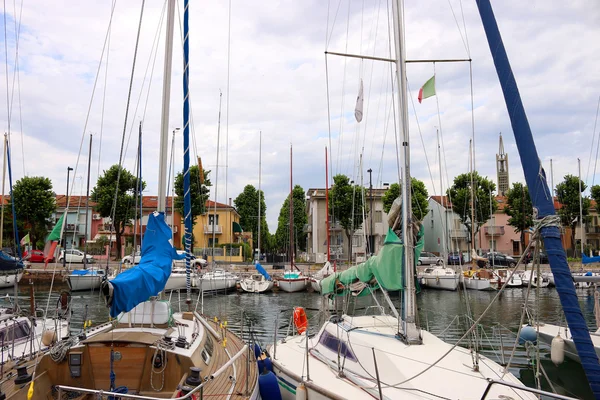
x,y
497,234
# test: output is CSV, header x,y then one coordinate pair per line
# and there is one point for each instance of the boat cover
x,y
386,268
84,272
9,263
588,260
149,277
262,271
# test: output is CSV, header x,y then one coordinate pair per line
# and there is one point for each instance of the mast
x,y
87,205
3,182
327,204
541,199
214,224
444,222
138,192
472,200
259,194
580,207
411,333
551,180
291,214
187,197
166,95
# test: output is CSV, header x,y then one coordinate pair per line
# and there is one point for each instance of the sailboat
x,y
149,350
292,280
386,356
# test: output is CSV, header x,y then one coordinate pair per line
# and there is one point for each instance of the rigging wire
x,y
597,146
341,131
229,224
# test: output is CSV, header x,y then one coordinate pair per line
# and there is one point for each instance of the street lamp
x,y
69,169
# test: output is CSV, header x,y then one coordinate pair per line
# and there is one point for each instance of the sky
x,y
261,66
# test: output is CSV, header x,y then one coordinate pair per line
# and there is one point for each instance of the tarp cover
x,y
588,260
262,271
149,277
83,272
386,267
9,263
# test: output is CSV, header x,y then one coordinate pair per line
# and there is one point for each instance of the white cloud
x,y
278,85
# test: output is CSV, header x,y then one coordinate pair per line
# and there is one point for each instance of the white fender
x,y
301,393
557,350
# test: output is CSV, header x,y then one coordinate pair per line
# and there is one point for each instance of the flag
x,y
358,110
25,240
428,89
52,240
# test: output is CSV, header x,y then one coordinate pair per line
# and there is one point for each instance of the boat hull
x,y
84,282
440,282
8,281
292,285
315,284
549,332
477,284
252,286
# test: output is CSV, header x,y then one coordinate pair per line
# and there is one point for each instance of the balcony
x,y
592,229
72,228
458,233
210,229
493,230
335,226
307,228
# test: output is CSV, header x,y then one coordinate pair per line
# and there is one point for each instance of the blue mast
x,y
187,199
541,199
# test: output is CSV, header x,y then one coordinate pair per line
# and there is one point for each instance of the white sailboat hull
x,y
476,284
292,285
8,281
252,286
315,284
549,332
84,282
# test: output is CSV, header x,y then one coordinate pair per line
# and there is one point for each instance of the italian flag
x,y
428,89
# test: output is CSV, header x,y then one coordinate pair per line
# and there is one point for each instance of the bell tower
x,y
502,169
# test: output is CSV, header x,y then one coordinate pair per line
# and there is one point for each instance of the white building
x,y
441,217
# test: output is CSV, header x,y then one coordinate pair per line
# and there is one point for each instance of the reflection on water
x,y
442,312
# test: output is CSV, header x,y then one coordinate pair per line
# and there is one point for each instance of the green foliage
x,y
199,193
282,235
346,206
246,205
568,193
460,196
420,207
595,192
247,253
519,208
34,204
104,196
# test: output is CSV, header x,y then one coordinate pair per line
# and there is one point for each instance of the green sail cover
x,y
386,268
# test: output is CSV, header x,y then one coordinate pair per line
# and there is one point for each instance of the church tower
x,y
502,169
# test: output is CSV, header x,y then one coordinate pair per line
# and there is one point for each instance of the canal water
x,y
442,312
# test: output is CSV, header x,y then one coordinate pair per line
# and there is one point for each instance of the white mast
x,y
164,127
259,195
444,221
411,333
580,207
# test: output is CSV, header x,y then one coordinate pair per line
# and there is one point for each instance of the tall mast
x,y
3,182
472,198
87,205
187,197
327,204
444,222
164,127
259,195
291,214
411,332
580,207
551,180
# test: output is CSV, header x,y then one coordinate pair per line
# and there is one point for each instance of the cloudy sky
x,y
278,85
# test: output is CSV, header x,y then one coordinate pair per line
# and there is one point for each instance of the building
x,y
74,230
443,226
496,234
316,229
502,169
219,225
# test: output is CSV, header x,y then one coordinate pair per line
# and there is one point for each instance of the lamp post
x,y
64,240
371,237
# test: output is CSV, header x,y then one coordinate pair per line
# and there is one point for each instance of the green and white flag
x,y
428,89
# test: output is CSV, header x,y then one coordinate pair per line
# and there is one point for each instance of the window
x,y
210,242
377,216
212,220
15,331
334,344
356,241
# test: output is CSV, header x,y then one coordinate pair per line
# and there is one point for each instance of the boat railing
x,y
523,388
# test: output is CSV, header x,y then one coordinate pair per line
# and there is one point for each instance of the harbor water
x,y
443,313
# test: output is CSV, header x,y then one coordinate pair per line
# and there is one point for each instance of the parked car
x,y
529,257
35,256
427,258
455,258
496,258
195,262
132,260
74,256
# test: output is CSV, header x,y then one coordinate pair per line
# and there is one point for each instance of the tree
x,y
34,204
282,235
460,196
346,206
247,206
104,196
519,208
199,193
595,192
568,193
420,207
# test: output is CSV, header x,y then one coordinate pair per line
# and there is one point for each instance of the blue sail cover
x,y
149,277
588,260
9,263
541,198
262,271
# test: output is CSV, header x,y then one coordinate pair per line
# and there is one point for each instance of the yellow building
x,y
221,223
